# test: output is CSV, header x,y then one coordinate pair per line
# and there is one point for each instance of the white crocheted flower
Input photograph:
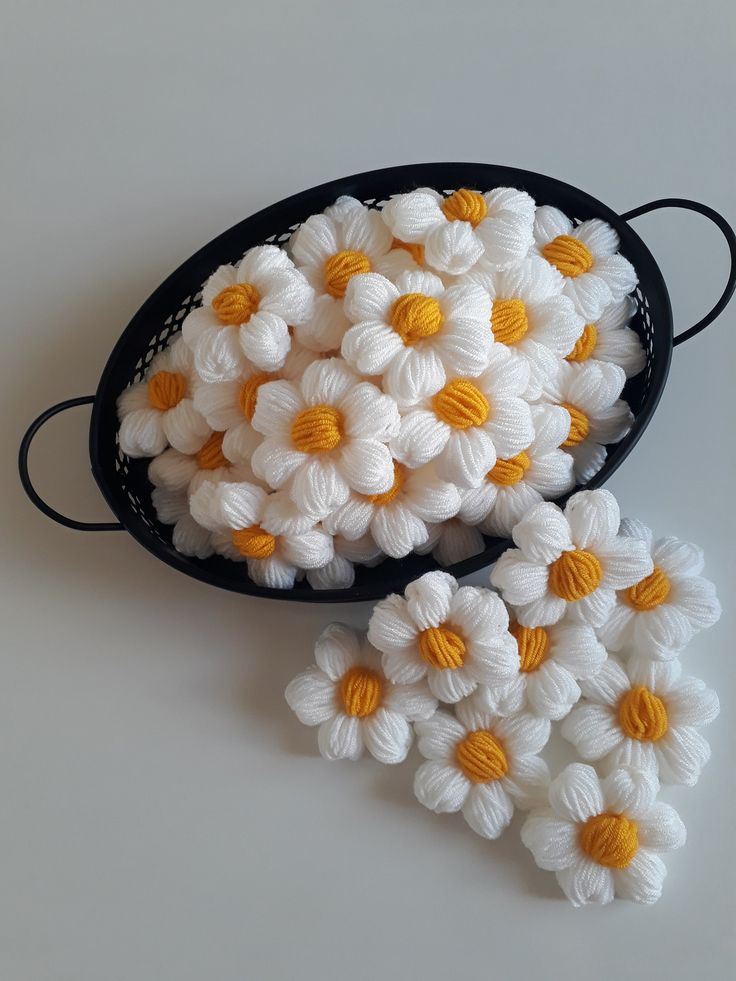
x,y
188,537
339,573
324,437
456,231
470,422
185,472
159,410
571,561
594,272
354,705
659,615
609,338
416,333
482,765
455,637
602,837
644,714
246,313
540,472
590,393
451,542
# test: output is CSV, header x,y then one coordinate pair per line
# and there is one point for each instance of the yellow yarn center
x,y
441,648
166,389
650,592
642,715
254,542
506,473
248,392
481,757
579,426
610,840
461,405
210,457
509,321
585,344
317,430
360,692
533,643
415,250
574,575
380,500
465,205
339,269
236,304
416,316
568,255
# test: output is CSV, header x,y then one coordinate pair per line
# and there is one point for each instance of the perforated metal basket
x,y
124,482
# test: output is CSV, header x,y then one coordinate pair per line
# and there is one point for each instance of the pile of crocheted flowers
x,y
395,379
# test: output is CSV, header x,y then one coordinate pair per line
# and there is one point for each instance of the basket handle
x,y
728,234
25,478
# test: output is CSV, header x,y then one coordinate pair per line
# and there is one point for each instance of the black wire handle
x,y
25,478
728,234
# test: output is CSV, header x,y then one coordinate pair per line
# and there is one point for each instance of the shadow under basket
x,y
124,482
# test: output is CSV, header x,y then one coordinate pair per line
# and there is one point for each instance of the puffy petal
x,y
275,461
421,438
468,455
429,599
318,487
576,794
367,466
642,879
661,828
527,781
387,736
543,534
594,518
397,531
523,734
452,247
340,738
369,414
325,382
551,690
450,686
370,297
593,730
488,809
630,791
440,787
337,650
552,841
415,702
277,404
371,346
391,626
585,882
520,581
311,696
439,735
265,340
682,753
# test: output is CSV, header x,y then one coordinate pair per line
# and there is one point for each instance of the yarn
x,y
569,255
248,392
642,714
481,758
579,426
650,593
341,267
253,542
465,205
415,250
610,840
461,404
381,500
166,389
506,473
360,691
415,317
317,430
210,456
509,321
236,304
441,648
533,644
575,574
584,345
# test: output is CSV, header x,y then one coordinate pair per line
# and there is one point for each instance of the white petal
x,y
519,581
326,382
369,413
661,828
440,787
552,841
625,562
318,487
585,882
488,809
421,438
452,247
387,736
642,879
277,404
429,599
370,346
593,730
543,534
608,685
337,650
311,696
467,457
450,686
391,626
682,753
369,297
523,734
415,702
629,791
576,794
340,738
275,461
439,735
527,781
594,518
551,691
265,340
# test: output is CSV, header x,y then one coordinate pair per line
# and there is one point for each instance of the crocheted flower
x,y
530,315
324,437
416,332
590,393
644,714
397,520
187,537
456,231
594,273
540,472
185,472
451,542
159,411
339,573
660,614
354,705
602,837
455,637
569,561
481,765
470,422
246,313
609,338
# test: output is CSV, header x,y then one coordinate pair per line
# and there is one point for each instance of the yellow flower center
x,y
166,389
579,426
380,500
210,457
585,344
481,757
642,715
441,648
574,575
506,473
533,643
254,542
461,405
610,840
415,250
249,392
416,316
339,269
236,304
509,321
317,430
360,692
465,205
568,255
650,592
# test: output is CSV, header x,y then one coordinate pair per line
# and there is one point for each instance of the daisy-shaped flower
x,y
570,561
455,637
187,537
339,573
397,520
659,615
602,837
482,765
456,231
590,393
159,411
609,338
646,715
324,437
266,531
470,422
451,542
347,695
587,256
540,472
184,472
246,313
416,332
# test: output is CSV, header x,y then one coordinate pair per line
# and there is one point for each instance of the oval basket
x,y
124,482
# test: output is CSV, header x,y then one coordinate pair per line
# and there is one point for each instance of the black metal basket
x,y
124,482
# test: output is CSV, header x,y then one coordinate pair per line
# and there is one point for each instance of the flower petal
x,y
340,738
311,696
552,841
388,736
441,788
576,794
488,809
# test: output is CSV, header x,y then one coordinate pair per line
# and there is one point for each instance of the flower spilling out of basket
x,y
398,379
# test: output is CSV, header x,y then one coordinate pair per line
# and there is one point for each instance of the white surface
x,y
163,816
